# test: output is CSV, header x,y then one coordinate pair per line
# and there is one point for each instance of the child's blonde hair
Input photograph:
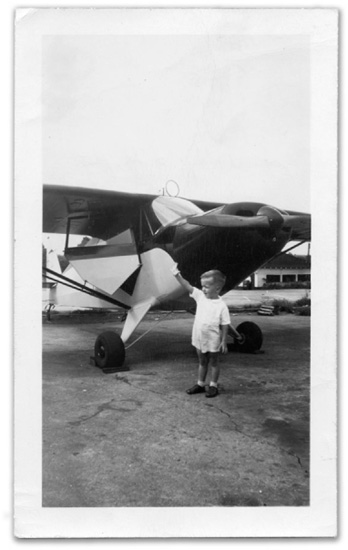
x,y
218,277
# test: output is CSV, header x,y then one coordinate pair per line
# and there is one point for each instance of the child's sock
x,y
213,384
200,383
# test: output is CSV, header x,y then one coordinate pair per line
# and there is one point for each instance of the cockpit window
x,y
171,209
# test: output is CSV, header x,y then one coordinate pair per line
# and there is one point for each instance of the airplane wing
x,y
98,213
102,214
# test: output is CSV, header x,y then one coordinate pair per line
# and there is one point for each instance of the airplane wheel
x,y
252,340
109,352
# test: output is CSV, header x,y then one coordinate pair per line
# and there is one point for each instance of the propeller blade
x,y
267,217
226,220
294,219
300,225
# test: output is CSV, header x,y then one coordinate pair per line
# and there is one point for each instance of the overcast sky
x,y
225,116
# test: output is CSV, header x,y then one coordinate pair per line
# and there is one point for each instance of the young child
x,y
210,327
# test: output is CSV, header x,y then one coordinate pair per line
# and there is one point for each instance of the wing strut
x,y
283,252
59,278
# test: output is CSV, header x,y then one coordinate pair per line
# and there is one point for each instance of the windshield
x,y
172,209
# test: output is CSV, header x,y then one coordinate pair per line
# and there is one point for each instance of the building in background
x,y
284,270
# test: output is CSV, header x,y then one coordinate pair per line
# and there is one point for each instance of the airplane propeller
x,y
229,220
267,217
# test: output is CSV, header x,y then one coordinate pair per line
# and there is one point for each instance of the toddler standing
x,y
210,328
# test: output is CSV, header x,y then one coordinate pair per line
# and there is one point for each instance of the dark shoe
x,y
212,392
196,389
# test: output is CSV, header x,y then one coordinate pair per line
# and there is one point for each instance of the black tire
x,y
109,351
253,338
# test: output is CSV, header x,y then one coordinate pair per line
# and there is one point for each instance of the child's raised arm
x,y
185,284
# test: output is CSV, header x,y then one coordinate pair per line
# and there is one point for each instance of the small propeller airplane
x,y
135,239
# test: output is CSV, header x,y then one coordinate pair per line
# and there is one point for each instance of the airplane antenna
x,y
170,190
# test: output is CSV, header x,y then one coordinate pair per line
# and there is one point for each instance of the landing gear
x,y
109,352
252,338
48,309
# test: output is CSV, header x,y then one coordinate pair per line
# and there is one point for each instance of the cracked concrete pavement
x,y
135,438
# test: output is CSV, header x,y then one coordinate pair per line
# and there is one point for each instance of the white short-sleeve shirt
x,y
210,314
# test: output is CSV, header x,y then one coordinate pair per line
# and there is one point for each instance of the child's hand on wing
x,y
175,270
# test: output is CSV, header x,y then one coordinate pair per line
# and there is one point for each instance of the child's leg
x,y
215,368
202,373
203,359
215,372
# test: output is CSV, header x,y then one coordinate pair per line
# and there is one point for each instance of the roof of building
x,y
289,261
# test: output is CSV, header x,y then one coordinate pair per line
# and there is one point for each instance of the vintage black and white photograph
x,y
175,164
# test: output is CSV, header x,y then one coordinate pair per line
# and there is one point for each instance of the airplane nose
x,y
275,218
256,214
